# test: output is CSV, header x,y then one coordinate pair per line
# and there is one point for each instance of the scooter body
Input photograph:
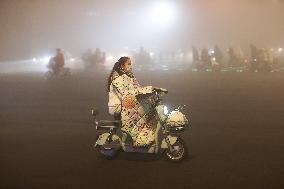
x,y
167,134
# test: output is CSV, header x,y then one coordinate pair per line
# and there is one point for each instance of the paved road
x,y
236,141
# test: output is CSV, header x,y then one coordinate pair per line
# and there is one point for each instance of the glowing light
x,y
166,111
212,52
72,59
45,59
34,59
163,12
109,58
280,50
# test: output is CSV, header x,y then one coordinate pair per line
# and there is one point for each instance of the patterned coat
x,y
137,111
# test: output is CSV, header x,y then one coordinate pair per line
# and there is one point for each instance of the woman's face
x,y
127,66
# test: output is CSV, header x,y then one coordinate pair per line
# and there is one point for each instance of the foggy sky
x,y
32,27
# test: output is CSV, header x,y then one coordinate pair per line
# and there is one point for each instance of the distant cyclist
x,y
57,62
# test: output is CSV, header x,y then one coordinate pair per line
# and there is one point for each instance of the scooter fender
x,y
172,140
102,139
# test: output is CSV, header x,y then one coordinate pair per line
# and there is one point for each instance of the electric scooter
x,y
167,141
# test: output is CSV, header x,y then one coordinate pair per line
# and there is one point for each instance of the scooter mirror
x,y
95,112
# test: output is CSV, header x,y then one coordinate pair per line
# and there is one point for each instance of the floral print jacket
x,y
137,113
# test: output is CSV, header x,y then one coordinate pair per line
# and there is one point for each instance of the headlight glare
x,y
166,111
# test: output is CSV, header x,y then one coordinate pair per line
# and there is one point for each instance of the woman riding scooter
x,y
143,123
136,113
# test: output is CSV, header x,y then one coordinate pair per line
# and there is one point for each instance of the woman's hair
x,y
117,68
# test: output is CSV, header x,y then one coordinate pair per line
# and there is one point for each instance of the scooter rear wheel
x,y
66,73
48,75
179,151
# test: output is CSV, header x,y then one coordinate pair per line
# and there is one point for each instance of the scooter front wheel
x,y
107,153
178,153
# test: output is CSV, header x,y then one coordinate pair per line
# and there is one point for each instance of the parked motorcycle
x,y
167,135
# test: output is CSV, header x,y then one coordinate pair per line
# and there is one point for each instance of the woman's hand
x,y
128,103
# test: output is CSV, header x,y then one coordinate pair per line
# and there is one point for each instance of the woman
x,y
126,101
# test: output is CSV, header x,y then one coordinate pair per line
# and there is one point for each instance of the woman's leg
x,y
117,116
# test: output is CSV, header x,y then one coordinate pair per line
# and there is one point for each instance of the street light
x,y
162,13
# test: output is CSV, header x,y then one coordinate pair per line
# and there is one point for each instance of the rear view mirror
x,y
95,112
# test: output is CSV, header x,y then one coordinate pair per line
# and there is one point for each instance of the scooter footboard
x,y
103,139
172,140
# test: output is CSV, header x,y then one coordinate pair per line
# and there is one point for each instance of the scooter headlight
x,y
166,111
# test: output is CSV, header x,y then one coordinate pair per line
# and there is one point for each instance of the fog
x,y
34,27
234,103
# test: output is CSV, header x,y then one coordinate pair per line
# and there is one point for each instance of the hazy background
x,y
46,128
32,27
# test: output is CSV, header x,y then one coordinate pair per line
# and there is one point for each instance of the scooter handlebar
x,y
159,90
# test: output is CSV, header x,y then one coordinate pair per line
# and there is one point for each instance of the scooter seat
x,y
109,124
